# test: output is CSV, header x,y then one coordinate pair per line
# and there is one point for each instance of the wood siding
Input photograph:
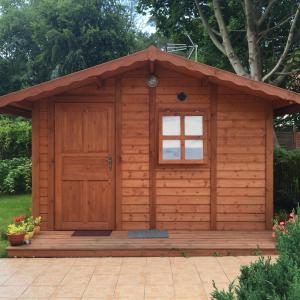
x,y
229,192
182,191
241,162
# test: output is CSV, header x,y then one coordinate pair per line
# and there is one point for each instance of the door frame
x,y
52,225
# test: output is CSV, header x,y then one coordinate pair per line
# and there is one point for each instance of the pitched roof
x,y
151,54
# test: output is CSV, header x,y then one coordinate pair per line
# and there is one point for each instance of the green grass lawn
x,y
11,206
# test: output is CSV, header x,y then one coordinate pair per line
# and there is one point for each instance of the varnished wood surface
x,y
61,243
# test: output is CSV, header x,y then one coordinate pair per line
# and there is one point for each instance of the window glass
x,y
171,150
193,125
171,125
193,149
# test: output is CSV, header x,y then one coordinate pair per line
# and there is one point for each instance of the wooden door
x,y
84,166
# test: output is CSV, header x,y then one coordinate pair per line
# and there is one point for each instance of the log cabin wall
x,y
241,161
182,192
229,192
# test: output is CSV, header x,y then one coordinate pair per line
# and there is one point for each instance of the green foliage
x,y
264,280
15,176
43,39
286,179
15,138
288,244
17,228
173,18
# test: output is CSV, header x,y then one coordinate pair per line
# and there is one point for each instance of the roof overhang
x,y
21,101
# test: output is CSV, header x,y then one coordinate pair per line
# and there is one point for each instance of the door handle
x,y
110,162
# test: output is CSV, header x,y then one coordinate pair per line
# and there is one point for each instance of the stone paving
x,y
150,278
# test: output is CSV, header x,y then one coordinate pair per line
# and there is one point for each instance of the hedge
x,y
15,175
286,179
15,138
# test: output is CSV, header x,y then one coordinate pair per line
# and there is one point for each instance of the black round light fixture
x,y
182,96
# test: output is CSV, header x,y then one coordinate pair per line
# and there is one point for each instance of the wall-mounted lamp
x,y
152,81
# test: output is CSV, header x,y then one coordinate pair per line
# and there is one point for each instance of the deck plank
x,y
192,243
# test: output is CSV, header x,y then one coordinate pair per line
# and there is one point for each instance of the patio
x,y
117,278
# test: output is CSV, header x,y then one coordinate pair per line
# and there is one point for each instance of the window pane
x,y
193,149
171,125
193,125
171,150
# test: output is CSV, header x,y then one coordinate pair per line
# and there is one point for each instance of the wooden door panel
x,y
85,168
96,129
72,131
84,143
72,192
99,206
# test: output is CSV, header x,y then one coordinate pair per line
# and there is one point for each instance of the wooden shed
x,y
152,140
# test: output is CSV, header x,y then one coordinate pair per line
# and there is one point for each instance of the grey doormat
x,y
147,234
91,233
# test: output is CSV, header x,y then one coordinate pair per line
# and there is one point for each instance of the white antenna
x,y
184,47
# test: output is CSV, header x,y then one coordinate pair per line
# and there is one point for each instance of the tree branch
x,y
252,40
266,13
287,46
230,53
276,26
209,30
281,77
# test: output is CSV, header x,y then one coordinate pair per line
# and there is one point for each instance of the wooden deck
x,y
190,243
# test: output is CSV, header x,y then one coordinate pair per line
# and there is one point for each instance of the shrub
x,y
286,179
15,176
264,280
15,138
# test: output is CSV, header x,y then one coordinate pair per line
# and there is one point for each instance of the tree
x,y
258,39
43,39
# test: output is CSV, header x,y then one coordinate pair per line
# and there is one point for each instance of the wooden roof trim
x,y
221,75
74,78
151,54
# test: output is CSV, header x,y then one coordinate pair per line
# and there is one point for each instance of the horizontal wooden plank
x,y
182,174
241,132
183,225
240,192
135,191
243,124
247,115
240,226
183,191
246,183
240,208
240,149
246,200
135,208
135,149
200,183
135,167
238,141
240,217
126,217
189,217
224,166
139,158
140,200
135,175
183,208
135,183
244,157
173,200
134,141
241,174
